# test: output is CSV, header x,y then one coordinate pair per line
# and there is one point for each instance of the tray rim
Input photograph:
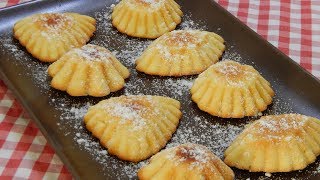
x,y
50,140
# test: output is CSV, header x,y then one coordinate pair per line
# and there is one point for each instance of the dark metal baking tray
x,y
296,89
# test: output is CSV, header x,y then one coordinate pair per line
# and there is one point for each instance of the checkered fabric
x,y
292,26
24,152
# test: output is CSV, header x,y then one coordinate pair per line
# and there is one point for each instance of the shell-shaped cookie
x,y
48,36
181,52
134,127
230,90
186,161
90,70
146,18
276,143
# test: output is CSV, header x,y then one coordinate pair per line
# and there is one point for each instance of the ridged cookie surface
x,y
186,161
48,36
90,70
182,52
134,127
229,89
276,143
146,18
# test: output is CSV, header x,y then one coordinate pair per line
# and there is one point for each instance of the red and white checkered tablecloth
x,y
292,26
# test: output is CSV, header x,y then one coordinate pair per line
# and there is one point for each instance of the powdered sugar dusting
x,y
149,5
229,69
280,105
131,109
128,114
149,1
86,142
172,87
195,125
92,52
33,68
268,174
196,156
178,86
278,128
52,24
231,53
126,49
76,112
230,74
172,47
188,23
270,124
199,130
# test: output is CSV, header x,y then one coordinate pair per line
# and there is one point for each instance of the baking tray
x,y
59,116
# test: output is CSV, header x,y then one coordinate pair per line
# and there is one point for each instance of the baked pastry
x,y
230,90
90,70
134,127
48,36
146,18
277,143
186,161
182,52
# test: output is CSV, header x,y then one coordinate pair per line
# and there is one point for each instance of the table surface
x,y
291,26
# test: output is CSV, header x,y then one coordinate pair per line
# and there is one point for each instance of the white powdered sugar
x,y
198,130
78,112
172,46
128,113
148,1
269,124
282,125
131,110
180,39
267,174
195,126
197,156
229,69
280,105
234,74
188,23
53,24
92,52
178,86
33,68
126,49
172,87
149,5
232,54
125,112
277,129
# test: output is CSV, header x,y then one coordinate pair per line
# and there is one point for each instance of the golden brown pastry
x,y
146,18
179,53
186,161
276,143
90,70
48,36
134,127
230,90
